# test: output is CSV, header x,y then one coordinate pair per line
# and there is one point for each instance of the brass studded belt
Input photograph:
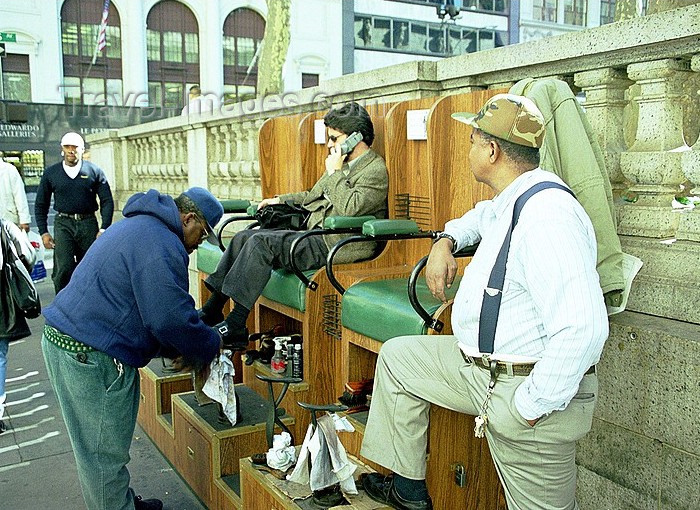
x,y
65,342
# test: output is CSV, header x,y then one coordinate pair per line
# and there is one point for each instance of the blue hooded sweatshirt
x,y
129,297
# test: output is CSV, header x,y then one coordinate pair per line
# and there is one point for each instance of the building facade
x,y
155,50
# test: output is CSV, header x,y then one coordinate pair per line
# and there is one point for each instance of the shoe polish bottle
x,y
278,364
297,362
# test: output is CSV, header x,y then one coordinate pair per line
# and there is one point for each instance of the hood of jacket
x,y
153,203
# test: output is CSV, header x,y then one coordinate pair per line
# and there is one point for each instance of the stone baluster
x,y
650,163
605,101
689,228
231,136
182,147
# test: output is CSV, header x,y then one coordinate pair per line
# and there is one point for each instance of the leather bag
x,y
16,281
285,216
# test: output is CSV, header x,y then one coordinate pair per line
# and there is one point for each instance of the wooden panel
x,y
225,498
166,387
258,495
452,442
449,147
313,155
147,405
193,459
279,156
408,162
379,112
164,437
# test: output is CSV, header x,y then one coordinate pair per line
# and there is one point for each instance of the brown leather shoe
x,y
381,488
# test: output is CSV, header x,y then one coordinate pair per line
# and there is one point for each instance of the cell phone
x,y
350,142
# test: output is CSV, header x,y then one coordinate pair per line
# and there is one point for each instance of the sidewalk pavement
x,y
37,467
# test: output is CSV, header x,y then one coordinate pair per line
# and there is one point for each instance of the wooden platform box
x,y
262,491
451,443
207,451
155,409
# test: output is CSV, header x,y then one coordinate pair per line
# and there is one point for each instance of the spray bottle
x,y
278,363
297,361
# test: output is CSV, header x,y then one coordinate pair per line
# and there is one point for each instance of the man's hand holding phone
x,y
334,160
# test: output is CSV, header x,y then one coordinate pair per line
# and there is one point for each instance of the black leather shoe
x,y
328,497
208,319
236,340
381,488
147,504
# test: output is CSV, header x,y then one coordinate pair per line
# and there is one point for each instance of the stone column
x,y
689,228
134,56
197,156
605,102
651,163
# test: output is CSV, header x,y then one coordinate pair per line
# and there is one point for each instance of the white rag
x,y
282,454
220,385
329,461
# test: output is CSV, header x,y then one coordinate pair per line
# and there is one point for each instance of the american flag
x,y
102,35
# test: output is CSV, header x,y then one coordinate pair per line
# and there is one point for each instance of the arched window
x,y
243,32
172,40
85,83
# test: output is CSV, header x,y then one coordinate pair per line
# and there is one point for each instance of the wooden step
x,y
262,491
451,443
207,451
157,389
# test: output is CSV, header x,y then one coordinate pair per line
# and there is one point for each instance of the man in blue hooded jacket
x,y
126,303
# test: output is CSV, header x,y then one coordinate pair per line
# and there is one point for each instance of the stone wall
x,y
640,80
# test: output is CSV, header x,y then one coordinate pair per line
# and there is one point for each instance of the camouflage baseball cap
x,y
512,118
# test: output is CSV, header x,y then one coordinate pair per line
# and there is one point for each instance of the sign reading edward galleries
x,y
26,131
43,125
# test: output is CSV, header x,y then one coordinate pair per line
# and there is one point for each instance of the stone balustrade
x,y
639,81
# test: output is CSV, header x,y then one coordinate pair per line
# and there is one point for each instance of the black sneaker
x,y
236,340
210,320
2,427
381,488
147,504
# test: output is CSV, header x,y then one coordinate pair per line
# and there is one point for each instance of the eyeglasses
x,y
334,138
205,229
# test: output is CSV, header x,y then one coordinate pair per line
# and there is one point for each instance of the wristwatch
x,y
445,235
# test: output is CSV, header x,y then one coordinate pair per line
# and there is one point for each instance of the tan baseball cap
x,y
512,118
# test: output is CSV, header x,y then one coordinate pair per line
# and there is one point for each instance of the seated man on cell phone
x,y
354,183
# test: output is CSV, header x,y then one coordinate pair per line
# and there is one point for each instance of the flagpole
x,y
92,63
102,28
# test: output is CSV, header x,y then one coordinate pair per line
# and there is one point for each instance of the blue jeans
x,y
4,344
99,402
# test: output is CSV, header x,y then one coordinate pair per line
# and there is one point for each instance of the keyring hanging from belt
x,y
482,420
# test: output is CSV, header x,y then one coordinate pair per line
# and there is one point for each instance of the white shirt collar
x,y
73,171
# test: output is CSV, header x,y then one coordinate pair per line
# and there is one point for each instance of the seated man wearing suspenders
x,y
529,325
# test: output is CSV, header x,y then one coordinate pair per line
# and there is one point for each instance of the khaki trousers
x,y
536,464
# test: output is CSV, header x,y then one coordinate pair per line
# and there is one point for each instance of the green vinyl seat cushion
x,y
381,309
208,257
284,287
